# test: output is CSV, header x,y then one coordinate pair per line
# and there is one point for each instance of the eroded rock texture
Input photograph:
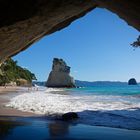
x,y
23,22
60,75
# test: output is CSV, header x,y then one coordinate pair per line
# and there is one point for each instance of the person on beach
x,y
36,87
33,87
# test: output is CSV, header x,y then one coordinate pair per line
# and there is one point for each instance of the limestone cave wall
x,y
23,22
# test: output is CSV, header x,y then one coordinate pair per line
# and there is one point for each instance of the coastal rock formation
x,y
132,81
60,75
23,22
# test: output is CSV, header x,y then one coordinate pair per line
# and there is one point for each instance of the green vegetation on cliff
x,y
11,72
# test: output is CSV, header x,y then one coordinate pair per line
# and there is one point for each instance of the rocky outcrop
x,y
60,75
70,116
23,82
132,81
23,22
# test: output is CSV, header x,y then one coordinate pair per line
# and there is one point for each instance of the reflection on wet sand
x,y
54,129
40,128
58,129
7,124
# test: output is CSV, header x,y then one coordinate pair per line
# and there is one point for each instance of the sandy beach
x,y
5,95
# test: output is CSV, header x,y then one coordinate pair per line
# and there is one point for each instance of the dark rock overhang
x,y
23,22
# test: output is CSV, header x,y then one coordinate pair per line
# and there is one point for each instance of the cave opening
x,y
98,43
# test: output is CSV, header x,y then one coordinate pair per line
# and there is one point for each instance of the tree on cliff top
x,y
136,43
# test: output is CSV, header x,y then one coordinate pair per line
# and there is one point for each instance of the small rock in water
x,y
69,116
132,81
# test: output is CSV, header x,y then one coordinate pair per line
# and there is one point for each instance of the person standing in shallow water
x,y
33,87
36,87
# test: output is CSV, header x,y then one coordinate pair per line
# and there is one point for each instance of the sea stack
x,y
60,75
132,81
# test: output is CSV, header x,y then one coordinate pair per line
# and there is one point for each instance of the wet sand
x,y
26,128
5,95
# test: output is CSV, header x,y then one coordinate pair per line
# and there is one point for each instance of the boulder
x,y
11,84
60,75
132,81
69,116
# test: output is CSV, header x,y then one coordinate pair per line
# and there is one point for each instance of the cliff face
x,y
23,22
60,75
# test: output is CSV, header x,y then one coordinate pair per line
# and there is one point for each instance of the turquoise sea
x,y
122,90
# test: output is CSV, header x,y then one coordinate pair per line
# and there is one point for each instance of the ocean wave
x,y
113,111
109,119
53,89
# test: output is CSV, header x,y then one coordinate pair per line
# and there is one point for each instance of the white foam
x,y
53,89
49,104
57,103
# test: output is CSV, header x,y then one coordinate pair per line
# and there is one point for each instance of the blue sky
x,y
96,46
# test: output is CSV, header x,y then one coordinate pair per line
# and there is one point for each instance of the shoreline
x,y
5,95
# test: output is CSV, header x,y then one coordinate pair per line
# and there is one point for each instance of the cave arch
x,y
25,22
